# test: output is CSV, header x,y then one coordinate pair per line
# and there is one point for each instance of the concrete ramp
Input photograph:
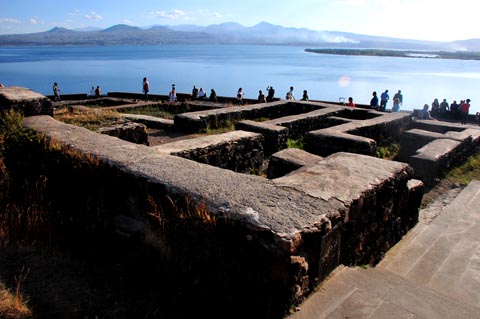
x,y
433,272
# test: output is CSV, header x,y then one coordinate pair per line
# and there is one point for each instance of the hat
x,y
468,100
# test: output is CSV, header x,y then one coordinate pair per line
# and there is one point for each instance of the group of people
x,y
381,105
289,96
443,109
200,94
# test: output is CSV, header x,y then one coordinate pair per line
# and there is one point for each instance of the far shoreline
x,y
457,55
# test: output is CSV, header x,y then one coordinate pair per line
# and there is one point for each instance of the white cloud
x,y
93,16
33,20
172,15
126,21
9,20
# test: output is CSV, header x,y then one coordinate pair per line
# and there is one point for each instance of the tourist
x,y
424,114
271,93
56,92
398,96
98,91
454,106
172,95
261,97
194,92
465,108
374,101
396,104
384,97
146,89
305,95
201,94
350,102
444,106
92,91
213,95
435,107
289,95
240,96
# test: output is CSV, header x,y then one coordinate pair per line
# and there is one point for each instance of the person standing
x,y
465,109
56,92
444,108
374,101
194,92
384,97
396,104
146,89
398,96
240,96
98,91
172,95
435,107
271,93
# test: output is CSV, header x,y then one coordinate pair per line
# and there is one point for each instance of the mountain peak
x,y
58,29
121,27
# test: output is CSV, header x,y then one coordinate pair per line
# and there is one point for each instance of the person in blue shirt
x,y
374,101
383,100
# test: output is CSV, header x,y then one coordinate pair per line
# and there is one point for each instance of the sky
x,y
435,20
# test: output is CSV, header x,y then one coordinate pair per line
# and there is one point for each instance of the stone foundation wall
x,y
238,151
245,239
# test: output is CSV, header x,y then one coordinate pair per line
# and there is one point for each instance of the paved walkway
x,y
433,272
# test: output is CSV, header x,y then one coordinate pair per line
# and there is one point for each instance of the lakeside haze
x,y
225,68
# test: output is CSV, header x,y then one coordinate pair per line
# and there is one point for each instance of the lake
x,y
226,68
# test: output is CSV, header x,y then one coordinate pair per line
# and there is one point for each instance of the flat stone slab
x,y
150,121
343,176
19,94
297,157
204,142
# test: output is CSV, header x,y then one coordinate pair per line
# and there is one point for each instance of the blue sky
x,y
438,20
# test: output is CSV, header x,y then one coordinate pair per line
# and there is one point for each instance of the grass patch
x,y
388,152
151,111
91,121
295,143
466,172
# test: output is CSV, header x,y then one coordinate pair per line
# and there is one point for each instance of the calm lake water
x,y
225,68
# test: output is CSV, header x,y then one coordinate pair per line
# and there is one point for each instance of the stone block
x,y
275,137
129,131
288,160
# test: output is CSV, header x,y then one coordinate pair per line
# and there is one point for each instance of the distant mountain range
x,y
226,33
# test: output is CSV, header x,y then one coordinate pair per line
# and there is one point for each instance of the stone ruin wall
x,y
276,238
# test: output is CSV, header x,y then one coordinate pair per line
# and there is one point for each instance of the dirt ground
x,y
435,199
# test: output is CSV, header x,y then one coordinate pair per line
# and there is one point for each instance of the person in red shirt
x,y
350,102
464,110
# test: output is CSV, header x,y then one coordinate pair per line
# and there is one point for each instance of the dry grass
x,y
91,120
13,305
